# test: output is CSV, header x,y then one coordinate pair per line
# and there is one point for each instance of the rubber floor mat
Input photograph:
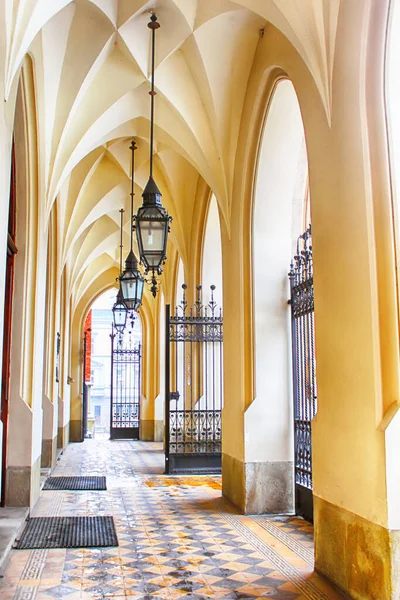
x,y
75,483
68,532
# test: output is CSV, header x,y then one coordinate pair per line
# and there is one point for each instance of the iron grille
x,y
125,386
303,357
194,371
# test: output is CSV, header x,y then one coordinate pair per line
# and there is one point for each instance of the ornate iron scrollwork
x,y
125,389
195,338
200,323
303,356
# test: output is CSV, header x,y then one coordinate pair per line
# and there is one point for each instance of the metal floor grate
x,y
75,483
68,532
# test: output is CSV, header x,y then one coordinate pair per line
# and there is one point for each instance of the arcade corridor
x,y
177,538
269,306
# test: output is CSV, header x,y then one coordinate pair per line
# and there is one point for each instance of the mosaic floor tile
x,y
177,539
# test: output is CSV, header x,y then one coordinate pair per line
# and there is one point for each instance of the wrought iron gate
x,y
303,365
125,386
194,373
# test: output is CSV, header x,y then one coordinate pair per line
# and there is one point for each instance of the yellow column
x,y
356,313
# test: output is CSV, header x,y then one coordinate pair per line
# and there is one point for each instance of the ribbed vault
x,y
91,61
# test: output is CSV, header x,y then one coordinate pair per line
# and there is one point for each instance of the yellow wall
x,y
212,101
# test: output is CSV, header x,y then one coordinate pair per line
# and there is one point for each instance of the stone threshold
x,y
12,523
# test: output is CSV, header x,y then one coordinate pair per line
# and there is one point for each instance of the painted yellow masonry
x,y
73,77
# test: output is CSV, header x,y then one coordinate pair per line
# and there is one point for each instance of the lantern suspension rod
x,y
153,25
133,147
120,241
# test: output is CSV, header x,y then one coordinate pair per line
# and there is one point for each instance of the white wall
x,y
268,428
159,402
212,275
178,348
211,272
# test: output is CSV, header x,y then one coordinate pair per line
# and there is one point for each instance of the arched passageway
x,y
112,372
79,102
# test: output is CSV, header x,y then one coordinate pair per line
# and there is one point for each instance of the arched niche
x,y
211,270
278,218
211,275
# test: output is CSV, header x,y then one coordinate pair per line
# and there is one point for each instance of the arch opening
x,y
211,270
280,215
112,373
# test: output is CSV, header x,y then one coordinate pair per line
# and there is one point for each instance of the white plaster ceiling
x,y
91,61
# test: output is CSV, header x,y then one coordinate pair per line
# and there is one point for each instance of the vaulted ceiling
x,y
91,62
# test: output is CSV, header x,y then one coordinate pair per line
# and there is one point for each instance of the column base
x,y
158,431
49,453
147,430
23,485
359,557
63,437
258,487
75,431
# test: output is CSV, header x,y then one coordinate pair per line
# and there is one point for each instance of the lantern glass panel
x,y
139,295
152,231
132,290
153,236
119,311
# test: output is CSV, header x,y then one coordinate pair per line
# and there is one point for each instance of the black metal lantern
x,y
152,219
132,283
152,227
131,280
120,313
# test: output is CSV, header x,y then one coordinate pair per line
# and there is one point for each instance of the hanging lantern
x,y
131,280
152,219
132,283
152,227
120,313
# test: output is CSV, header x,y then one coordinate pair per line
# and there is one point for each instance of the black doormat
x,y
75,483
68,532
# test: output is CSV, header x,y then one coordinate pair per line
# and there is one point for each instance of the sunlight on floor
x,y
177,538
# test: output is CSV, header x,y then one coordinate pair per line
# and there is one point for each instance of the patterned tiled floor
x,y
177,539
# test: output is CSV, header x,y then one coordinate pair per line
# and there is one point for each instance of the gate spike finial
x,y
198,302
291,272
184,301
212,304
